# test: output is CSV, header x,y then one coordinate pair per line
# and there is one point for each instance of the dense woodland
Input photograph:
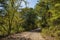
x,y
15,19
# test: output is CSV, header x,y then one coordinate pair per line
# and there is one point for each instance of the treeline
x,y
45,14
14,19
49,11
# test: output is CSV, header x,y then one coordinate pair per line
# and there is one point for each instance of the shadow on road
x,y
20,38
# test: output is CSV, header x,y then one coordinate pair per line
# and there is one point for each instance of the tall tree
x,y
50,12
10,17
30,17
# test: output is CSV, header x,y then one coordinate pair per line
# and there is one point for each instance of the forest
x,y
15,19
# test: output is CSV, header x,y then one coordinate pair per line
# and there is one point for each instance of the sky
x,y
31,3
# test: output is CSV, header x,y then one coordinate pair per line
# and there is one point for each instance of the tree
x,y
50,12
42,11
11,19
13,14
30,18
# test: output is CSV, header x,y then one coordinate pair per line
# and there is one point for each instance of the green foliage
x,y
10,21
50,12
30,18
45,15
15,20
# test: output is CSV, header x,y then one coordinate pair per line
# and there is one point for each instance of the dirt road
x,y
32,35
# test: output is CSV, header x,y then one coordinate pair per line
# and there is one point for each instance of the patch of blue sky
x,y
30,4
1,8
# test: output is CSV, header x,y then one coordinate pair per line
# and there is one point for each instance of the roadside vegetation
x,y
49,10
15,19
